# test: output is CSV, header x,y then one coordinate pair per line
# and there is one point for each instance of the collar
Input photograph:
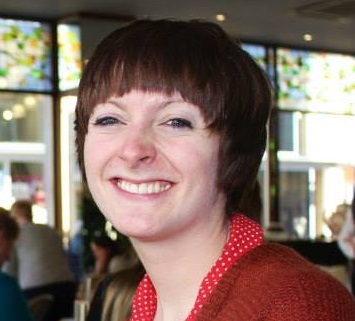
x,y
244,236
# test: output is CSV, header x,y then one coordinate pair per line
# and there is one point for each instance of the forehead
x,y
148,97
156,100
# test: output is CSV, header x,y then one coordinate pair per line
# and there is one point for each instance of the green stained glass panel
x,y
258,52
316,81
25,55
263,56
69,56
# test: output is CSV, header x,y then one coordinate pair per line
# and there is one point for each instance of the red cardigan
x,y
273,283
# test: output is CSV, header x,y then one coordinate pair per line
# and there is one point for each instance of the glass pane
x,y
71,181
317,137
288,132
264,56
309,195
69,55
3,190
316,81
327,137
258,52
294,202
25,55
27,183
23,117
25,178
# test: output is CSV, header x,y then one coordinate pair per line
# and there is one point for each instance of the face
x,y
5,248
151,165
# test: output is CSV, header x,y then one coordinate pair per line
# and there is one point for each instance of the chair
x,y
40,305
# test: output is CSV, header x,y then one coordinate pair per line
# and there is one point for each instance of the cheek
x,y
199,160
93,163
208,167
94,155
87,155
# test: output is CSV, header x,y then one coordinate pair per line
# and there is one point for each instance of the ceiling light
x,y
220,17
29,101
307,37
18,111
7,115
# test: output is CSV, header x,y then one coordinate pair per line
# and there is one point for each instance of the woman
x,y
171,128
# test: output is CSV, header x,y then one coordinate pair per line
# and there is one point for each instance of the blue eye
x,y
179,123
106,121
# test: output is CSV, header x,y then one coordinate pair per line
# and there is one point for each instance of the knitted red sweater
x,y
274,283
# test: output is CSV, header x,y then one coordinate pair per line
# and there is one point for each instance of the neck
x,y
177,266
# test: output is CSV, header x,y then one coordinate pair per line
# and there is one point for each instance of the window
x,y
315,81
25,55
23,117
69,56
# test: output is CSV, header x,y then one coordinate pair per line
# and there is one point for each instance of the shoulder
x,y
9,288
35,231
30,228
13,304
272,282
7,282
277,257
276,266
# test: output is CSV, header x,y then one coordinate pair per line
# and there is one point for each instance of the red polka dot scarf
x,y
245,235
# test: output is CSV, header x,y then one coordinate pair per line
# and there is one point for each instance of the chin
x,y
132,227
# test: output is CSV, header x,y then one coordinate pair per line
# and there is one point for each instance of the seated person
x,y
13,305
40,263
105,251
113,298
107,256
346,240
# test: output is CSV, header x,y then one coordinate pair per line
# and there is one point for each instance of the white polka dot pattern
x,y
245,235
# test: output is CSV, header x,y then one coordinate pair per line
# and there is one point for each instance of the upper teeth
x,y
144,188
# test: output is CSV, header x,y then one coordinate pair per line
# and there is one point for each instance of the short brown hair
x,y
209,69
22,208
8,225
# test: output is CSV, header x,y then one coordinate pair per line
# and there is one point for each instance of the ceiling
x,y
331,22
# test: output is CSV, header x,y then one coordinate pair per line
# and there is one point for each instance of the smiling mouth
x,y
144,188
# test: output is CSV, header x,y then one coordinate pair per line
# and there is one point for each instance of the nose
x,y
138,147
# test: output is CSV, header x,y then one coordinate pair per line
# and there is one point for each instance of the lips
x,y
146,188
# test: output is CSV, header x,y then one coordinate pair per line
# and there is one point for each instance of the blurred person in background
x,y
106,254
112,300
337,219
13,306
346,240
40,263
76,252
